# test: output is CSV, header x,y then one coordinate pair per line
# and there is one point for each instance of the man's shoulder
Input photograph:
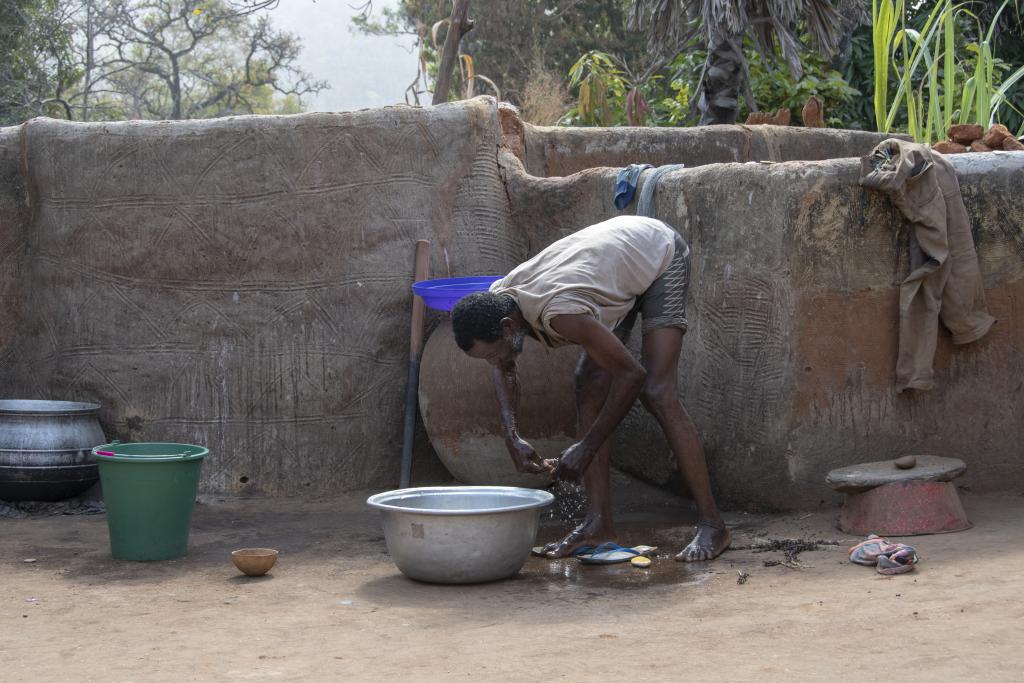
x,y
628,221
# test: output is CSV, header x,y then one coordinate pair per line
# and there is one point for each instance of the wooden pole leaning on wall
x,y
421,272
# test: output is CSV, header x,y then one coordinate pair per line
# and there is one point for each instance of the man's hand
x,y
573,463
526,459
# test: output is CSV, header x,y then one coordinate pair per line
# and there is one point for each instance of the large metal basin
x,y
46,448
460,534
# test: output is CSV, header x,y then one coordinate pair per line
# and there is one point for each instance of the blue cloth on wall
x,y
625,184
645,204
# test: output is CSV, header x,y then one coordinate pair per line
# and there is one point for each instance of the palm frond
x,y
823,22
730,15
789,45
665,21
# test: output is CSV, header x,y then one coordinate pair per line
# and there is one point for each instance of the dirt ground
x,y
335,608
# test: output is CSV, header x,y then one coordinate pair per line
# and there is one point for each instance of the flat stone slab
x,y
857,478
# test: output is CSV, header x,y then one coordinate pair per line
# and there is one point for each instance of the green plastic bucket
x,y
149,490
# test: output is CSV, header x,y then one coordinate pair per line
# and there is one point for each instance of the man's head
x,y
486,327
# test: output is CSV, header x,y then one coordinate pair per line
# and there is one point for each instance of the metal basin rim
x,y
32,407
532,498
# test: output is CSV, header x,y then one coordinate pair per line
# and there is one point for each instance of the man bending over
x,y
587,289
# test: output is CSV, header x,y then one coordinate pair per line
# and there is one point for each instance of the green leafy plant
x,y
981,87
927,63
601,86
775,88
608,95
675,110
885,15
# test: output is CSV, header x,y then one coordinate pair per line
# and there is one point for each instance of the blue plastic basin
x,y
442,294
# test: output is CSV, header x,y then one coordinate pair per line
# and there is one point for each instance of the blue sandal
x,y
613,553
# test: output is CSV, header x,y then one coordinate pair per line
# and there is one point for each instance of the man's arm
x,y
627,379
506,386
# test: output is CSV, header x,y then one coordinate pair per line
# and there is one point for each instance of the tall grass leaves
x,y
925,63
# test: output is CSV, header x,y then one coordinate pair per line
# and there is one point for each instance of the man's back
x,y
598,271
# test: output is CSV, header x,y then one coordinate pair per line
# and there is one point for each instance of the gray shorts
x,y
664,302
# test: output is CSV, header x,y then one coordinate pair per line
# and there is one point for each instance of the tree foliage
x,y
722,27
638,47
178,59
152,59
511,41
36,59
603,88
776,88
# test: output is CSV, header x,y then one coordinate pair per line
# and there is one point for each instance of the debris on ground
x,y
790,547
742,578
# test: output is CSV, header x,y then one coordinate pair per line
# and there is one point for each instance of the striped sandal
x,y
901,561
867,552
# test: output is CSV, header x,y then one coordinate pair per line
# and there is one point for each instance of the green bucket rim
x,y
194,452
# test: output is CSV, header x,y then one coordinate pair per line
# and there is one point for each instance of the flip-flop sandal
x,y
609,553
901,561
613,553
867,552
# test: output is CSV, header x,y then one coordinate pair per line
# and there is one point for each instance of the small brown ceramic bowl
x,y
254,561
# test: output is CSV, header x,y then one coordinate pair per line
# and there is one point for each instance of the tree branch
x,y
458,26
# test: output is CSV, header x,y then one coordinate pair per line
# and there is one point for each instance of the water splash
x,y
570,502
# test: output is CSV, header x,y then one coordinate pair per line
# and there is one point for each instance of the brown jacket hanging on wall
x,y
945,280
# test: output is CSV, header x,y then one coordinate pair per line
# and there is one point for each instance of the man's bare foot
x,y
591,532
706,545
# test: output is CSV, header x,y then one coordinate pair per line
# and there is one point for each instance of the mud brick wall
x,y
13,222
553,151
244,283
788,367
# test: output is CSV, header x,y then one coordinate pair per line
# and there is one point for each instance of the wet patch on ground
x,y
571,574
666,532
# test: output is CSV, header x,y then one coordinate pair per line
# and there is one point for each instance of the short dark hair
x,y
478,316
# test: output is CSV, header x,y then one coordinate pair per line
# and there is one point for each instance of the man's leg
x,y
660,357
592,385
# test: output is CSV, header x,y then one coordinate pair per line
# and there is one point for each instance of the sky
x,y
364,71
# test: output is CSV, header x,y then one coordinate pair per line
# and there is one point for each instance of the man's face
x,y
496,353
503,350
